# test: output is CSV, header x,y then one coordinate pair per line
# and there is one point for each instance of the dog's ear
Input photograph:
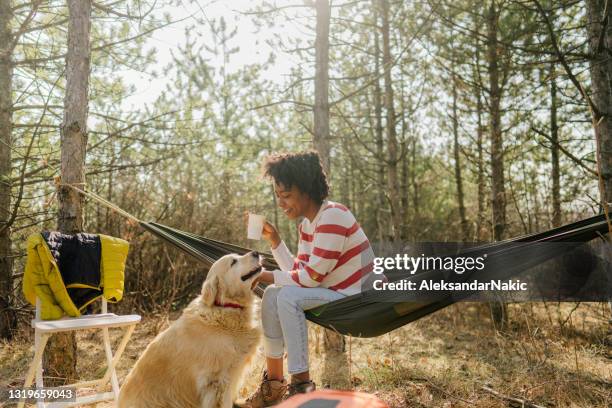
x,y
209,290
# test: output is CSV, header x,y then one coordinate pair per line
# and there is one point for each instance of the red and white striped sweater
x,y
333,253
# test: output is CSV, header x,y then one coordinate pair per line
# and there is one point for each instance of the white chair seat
x,y
85,322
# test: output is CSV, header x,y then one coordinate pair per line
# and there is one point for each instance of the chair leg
x,y
110,371
109,360
40,342
39,374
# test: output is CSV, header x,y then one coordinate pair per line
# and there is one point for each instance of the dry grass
x,y
548,357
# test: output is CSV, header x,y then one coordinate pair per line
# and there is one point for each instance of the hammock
x,y
373,313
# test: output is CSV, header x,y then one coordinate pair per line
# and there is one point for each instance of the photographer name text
x,y
511,285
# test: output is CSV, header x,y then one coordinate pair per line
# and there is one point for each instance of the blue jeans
x,y
284,322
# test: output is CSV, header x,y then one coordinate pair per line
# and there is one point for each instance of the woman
x,y
334,256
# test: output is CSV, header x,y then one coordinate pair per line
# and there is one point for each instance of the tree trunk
x,y
345,186
321,105
7,315
481,226
111,184
458,177
60,361
415,184
274,203
404,191
480,223
554,152
601,72
394,196
352,186
380,174
332,340
498,193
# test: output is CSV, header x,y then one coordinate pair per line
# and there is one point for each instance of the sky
x,y
253,48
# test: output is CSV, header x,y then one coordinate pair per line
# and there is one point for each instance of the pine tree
x,y
7,315
60,357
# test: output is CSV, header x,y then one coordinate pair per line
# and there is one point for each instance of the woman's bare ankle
x,y
275,369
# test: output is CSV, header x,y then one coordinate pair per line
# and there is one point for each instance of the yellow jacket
x,y
42,277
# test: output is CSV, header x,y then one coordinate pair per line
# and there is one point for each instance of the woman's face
x,y
292,201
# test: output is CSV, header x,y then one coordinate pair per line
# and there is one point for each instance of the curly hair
x,y
301,169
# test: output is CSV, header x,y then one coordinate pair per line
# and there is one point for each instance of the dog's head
x,y
230,279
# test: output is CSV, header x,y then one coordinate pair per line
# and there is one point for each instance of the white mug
x,y
255,228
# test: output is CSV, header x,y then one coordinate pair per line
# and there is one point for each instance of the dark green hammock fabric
x,y
373,313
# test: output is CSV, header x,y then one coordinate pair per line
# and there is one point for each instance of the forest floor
x,y
551,356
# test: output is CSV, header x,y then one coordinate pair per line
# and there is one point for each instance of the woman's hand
x,y
270,234
264,276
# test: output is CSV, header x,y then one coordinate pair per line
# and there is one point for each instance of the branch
x,y
307,105
391,64
101,47
45,26
10,221
524,403
356,136
565,152
131,166
274,10
27,107
563,61
35,171
23,26
109,10
107,169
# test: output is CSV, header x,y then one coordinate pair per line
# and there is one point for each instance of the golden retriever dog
x,y
199,360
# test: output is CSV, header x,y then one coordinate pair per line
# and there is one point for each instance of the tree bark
x,y
404,193
498,193
481,226
380,173
405,169
60,361
392,158
352,186
7,314
599,30
600,45
554,152
480,223
332,340
415,184
321,106
345,186
465,233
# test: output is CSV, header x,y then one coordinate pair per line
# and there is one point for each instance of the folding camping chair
x,y
44,328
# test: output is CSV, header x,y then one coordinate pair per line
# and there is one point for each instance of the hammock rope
x,y
98,198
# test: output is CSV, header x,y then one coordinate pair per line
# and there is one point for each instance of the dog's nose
x,y
255,254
